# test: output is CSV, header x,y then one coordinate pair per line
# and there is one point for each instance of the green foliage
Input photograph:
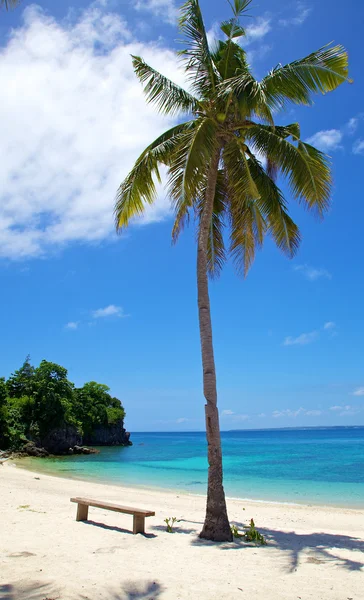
x,y
235,532
251,534
232,115
35,400
170,521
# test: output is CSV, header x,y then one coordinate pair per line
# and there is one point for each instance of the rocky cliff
x,y
108,435
65,439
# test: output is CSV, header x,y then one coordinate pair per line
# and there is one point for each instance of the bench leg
x,y
138,524
82,512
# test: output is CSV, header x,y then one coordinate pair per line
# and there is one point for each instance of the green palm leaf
x,y
306,168
168,96
199,65
216,254
273,206
138,188
319,72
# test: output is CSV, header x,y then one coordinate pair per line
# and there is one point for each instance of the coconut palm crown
x,y
223,164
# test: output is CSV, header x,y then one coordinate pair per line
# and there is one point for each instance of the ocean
x,y
308,466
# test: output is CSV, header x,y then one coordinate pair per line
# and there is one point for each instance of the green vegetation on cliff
x,y
35,401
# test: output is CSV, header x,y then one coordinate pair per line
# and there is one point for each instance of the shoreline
x,y
46,553
161,489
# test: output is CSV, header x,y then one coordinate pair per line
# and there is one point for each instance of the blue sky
x,y
122,310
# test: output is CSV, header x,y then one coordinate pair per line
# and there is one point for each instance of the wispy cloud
x,y
72,325
358,147
257,30
329,140
307,338
301,340
241,417
302,13
326,140
352,125
182,420
226,413
346,410
313,273
294,413
166,10
359,391
108,311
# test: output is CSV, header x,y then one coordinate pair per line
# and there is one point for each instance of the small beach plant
x,y
222,167
170,521
253,535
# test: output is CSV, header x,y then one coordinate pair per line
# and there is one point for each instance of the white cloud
x,y
347,410
303,12
326,140
329,326
226,413
241,417
359,391
358,147
74,119
164,9
301,340
108,311
288,412
352,125
72,325
182,420
257,30
313,273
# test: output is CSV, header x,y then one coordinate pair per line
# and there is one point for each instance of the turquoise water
x,y
323,466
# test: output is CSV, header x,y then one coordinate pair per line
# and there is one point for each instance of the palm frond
x,y
186,175
240,181
319,72
216,254
200,68
273,206
248,228
249,95
306,168
169,97
138,188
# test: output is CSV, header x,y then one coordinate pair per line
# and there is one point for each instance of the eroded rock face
x,y
32,450
65,439
61,439
109,435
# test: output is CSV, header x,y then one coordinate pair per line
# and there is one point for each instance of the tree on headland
x,y
222,167
35,401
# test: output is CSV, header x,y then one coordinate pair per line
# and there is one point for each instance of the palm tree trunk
x,y
216,526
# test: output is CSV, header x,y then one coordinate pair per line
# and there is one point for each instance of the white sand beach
x,y
312,553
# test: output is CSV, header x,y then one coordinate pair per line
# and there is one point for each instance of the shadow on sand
x,y
42,591
115,528
321,547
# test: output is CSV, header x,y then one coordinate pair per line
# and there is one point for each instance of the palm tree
x,y
222,164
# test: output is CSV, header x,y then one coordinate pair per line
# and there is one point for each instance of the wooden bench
x,y
139,514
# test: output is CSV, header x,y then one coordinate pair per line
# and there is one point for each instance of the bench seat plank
x,y
116,507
